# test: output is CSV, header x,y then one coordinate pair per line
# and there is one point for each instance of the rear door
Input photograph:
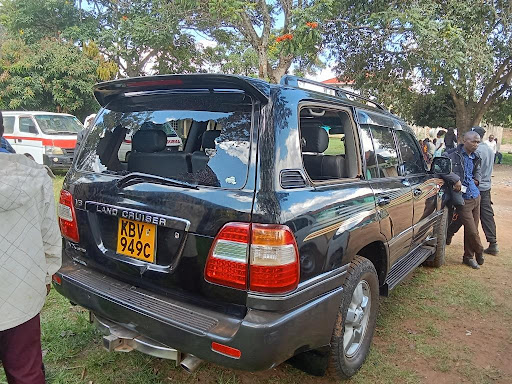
x,y
393,192
150,220
424,186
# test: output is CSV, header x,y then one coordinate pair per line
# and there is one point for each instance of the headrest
x,y
317,139
208,140
149,141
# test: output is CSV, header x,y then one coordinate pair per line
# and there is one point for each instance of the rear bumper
x,y
265,338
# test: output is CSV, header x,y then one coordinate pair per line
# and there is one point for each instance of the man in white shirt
x,y
491,143
30,253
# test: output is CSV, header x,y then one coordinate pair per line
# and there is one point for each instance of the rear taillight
x,y
274,259
67,217
227,261
258,257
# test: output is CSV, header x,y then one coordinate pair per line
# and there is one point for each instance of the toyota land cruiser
x,y
270,232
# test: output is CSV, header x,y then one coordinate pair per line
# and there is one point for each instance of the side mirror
x,y
441,166
33,129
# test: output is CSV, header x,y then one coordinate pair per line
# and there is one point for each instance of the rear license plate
x,y
136,239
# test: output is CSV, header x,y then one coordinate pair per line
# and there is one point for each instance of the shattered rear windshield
x,y
204,138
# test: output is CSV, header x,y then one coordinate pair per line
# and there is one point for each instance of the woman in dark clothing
x,y
450,139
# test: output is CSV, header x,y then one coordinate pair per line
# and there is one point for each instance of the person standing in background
x,y
491,143
486,153
498,157
466,177
450,139
439,144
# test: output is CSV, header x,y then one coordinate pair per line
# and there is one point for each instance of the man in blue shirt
x,y
466,177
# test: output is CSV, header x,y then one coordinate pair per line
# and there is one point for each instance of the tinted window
x,y
208,138
387,156
8,124
412,161
25,124
369,154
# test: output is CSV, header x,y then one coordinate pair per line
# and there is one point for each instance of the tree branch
x,y
494,81
505,85
247,29
287,6
267,23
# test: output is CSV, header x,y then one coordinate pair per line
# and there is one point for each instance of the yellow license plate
x,y
136,239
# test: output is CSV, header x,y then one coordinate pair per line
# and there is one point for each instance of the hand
x,y
457,186
48,287
476,182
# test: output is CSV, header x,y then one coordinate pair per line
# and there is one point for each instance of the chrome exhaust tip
x,y
190,363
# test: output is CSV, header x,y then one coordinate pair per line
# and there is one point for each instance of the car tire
x,y
440,233
356,319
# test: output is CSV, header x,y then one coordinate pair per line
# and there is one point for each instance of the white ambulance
x,y
48,138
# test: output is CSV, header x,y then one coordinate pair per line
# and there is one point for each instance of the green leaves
x,y
409,47
50,75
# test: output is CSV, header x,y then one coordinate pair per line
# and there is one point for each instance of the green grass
x,y
57,184
336,146
507,159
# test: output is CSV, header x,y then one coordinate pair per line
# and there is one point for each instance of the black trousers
x,y
487,216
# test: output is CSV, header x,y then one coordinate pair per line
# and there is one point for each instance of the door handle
x,y
384,200
417,192
19,140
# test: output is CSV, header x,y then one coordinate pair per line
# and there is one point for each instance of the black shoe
x,y
479,258
471,263
493,249
449,237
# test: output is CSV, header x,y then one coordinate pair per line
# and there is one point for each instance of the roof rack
x,y
293,81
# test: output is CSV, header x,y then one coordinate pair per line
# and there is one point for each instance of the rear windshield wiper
x,y
137,178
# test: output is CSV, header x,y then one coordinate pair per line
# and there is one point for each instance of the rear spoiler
x,y
107,91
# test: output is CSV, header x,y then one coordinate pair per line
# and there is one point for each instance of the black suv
x,y
268,234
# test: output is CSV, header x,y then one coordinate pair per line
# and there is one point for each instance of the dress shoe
x,y
449,238
471,263
479,258
493,249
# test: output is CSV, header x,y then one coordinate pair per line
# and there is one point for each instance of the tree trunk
x,y
262,63
465,115
283,67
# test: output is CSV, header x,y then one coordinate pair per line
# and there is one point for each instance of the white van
x,y
48,138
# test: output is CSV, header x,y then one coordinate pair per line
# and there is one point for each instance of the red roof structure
x,y
336,81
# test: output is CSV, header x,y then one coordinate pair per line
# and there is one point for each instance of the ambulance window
x,y
8,124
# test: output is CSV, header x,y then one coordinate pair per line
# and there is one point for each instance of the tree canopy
x,y
399,48
277,33
49,75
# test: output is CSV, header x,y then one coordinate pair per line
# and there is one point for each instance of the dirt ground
x,y
489,336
